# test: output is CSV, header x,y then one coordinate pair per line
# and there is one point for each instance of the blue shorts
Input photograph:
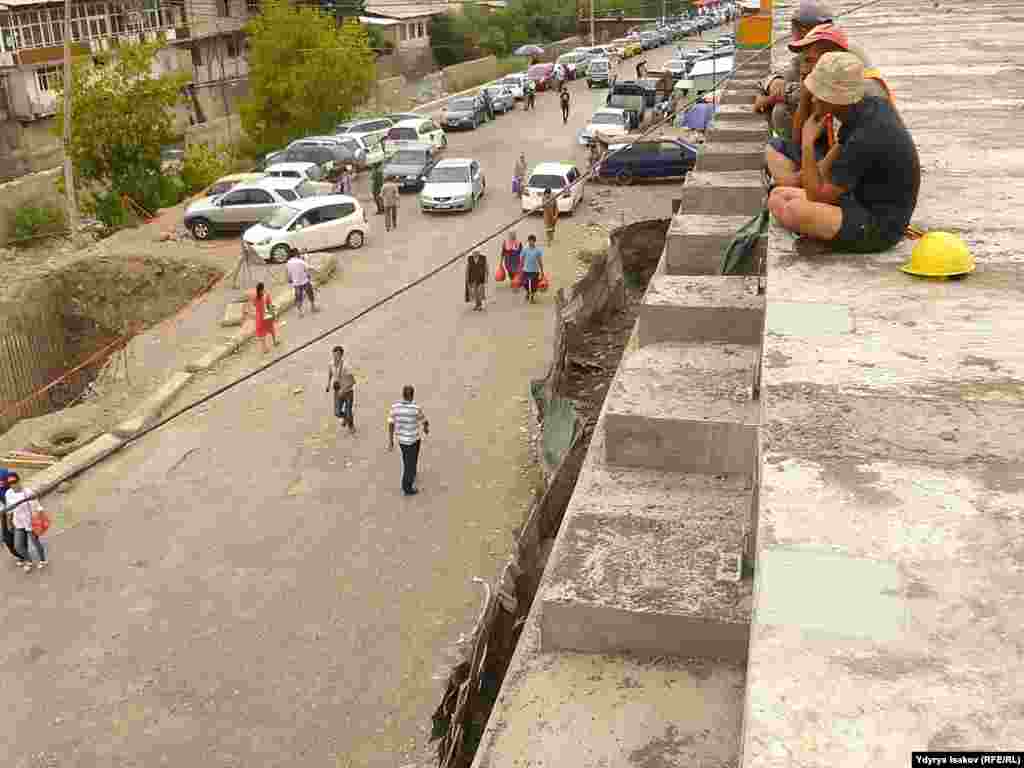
x,y
793,151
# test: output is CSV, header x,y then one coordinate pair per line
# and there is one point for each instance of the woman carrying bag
x,y
512,255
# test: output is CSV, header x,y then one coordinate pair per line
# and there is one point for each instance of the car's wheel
x,y
589,84
279,254
355,239
201,229
624,177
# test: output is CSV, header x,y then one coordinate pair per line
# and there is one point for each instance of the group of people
x,y
24,523
841,168
517,261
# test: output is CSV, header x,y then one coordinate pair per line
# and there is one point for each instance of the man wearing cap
x,y
782,156
862,195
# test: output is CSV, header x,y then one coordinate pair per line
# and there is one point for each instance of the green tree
x,y
306,73
121,120
447,40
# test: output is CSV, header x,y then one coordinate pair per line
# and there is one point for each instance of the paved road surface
x,y
248,587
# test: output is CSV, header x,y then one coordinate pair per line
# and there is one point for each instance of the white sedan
x,y
516,84
609,121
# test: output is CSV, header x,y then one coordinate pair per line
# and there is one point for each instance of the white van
x,y
556,177
312,224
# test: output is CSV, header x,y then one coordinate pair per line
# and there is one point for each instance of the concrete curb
x,y
53,476
147,413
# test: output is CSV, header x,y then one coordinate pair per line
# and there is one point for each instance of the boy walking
x,y
344,384
298,276
533,266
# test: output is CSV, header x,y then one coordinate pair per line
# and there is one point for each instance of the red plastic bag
x,y
40,523
499,273
542,282
517,280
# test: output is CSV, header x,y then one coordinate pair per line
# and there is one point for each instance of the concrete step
x,y
753,132
731,156
662,582
684,408
728,192
738,96
685,309
745,82
737,113
695,243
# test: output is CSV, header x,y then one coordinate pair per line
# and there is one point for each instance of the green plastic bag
x,y
738,256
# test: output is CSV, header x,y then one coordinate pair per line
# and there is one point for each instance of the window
x,y
241,197
48,79
419,29
412,32
197,56
287,194
252,6
401,32
261,197
223,7
232,44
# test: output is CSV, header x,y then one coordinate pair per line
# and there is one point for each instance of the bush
x,y
172,191
32,221
203,166
111,212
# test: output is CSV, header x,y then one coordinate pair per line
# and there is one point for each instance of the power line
x,y
408,286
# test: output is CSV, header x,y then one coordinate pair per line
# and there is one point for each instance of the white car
x,y
422,130
516,84
310,171
610,121
556,177
456,184
377,127
372,144
313,224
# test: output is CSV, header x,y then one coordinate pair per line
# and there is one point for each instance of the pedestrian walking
x,y
5,521
563,99
344,186
531,95
264,313
488,105
389,196
298,270
511,255
476,279
533,267
549,204
26,515
377,182
519,175
344,384
405,420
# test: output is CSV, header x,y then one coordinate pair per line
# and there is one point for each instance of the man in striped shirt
x,y
405,420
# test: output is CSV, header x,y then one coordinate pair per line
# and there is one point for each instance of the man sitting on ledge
x,y
862,195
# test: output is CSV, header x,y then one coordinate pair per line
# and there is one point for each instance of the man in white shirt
x,y
405,420
298,276
20,505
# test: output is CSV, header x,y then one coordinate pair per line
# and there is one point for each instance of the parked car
x,y
310,171
315,224
516,84
649,40
501,97
464,112
610,121
398,117
411,164
599,73
368,127
629,47
648,159
224,183
556,177
543,75
455,184
676,68
239,208
421,130
327,157
268,159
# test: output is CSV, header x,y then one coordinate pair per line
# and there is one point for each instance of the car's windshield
x,y
460,105
279,219
402,134
546,181
449,174
409,157
496,91
606,118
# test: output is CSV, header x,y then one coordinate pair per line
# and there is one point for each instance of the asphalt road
x,y
248,586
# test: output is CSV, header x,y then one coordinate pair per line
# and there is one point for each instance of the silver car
x,y
455,184
241,207
502,99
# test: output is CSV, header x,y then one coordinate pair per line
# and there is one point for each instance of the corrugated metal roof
x,y
407,11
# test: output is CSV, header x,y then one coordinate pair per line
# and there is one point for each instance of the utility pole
x,y
592,41
69,171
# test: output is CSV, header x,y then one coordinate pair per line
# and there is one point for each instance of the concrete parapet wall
x,y
38,189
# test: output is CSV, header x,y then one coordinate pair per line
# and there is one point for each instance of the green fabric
x,y
559,429
738,256
377,179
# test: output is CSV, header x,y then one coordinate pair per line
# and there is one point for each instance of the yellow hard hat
x,y
939,254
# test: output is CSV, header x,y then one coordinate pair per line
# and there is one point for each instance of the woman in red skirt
x,y
264,313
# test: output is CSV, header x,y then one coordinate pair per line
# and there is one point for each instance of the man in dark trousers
x,y
405,420
564,101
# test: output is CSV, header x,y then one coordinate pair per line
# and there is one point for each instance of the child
x,y
344,388
23,507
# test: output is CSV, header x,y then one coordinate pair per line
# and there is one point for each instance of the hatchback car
x,y
241,207
501,97
456,184
315,224
542,75
464,112
648,159
421,130
556,177
410,165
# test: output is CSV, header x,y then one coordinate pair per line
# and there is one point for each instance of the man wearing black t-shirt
x,y
861,196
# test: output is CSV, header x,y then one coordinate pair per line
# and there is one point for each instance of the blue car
x,y
648,159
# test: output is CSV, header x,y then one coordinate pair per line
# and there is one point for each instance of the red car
x,y
543,75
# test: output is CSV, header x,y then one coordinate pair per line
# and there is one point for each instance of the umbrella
x,y
528,50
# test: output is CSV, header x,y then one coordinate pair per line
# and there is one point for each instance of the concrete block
x,y
746,82
233,314
754,132
147,413
684,309
728,192
212,356
730,156
738,96
737,113
684,408
650,585
54,475
695,243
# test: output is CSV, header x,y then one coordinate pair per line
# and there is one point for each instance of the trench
x,y
59,329
589,360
